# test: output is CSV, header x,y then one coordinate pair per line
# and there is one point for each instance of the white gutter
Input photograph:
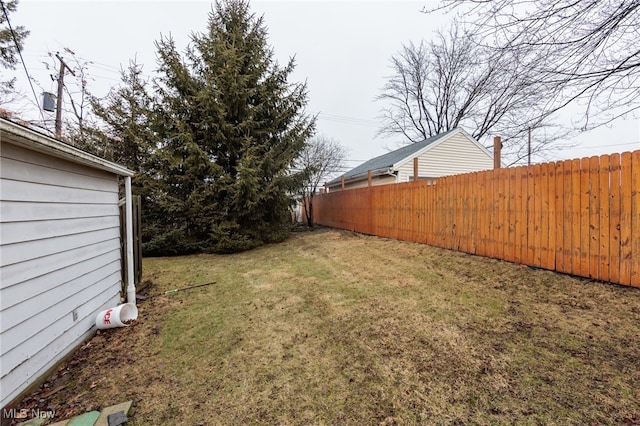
x,y
131,286
36,141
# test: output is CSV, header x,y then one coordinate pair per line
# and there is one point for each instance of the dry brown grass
x,y
332,327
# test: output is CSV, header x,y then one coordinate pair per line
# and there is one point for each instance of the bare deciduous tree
x,y
322,157
76,112
453,81
588,50
77,91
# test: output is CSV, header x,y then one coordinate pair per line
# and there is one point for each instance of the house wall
x,y
59,254
363,183
455,155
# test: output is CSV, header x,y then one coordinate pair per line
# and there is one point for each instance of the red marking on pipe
x,y
107,316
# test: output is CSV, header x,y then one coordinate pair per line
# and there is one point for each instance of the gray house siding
x,y
59,260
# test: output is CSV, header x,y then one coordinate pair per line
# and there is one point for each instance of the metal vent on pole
x,y
48,102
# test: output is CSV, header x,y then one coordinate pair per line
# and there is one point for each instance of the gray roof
x,y
386,161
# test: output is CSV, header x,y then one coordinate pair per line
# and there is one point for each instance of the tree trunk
x,y
309,211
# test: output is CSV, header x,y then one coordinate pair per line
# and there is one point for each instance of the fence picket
x,y
518,208
625,219
511,208
635,215
594,217
614,218
503,221
481,219
584,218
543,195
550,259
559,216
603,238
491,220
575,217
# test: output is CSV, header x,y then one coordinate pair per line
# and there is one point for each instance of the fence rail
x,y
579,217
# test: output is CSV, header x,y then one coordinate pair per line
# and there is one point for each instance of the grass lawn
x,y
331,327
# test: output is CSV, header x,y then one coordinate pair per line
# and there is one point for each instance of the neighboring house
x,y
60,259
448,153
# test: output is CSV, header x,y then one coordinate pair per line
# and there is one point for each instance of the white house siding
x,y
59,253
455,155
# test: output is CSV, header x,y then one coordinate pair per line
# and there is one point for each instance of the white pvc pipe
x,y
131,287
120,316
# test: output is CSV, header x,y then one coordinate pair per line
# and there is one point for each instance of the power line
x,y
91,65
15,41
608,146
558,157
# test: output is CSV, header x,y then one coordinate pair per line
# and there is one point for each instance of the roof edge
x,y
36,141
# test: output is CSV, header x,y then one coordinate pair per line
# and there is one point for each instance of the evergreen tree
x,y
127,137
127,115
232,127
11,43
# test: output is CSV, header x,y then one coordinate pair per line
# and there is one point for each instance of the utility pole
x,y
497,152
63,65
529,148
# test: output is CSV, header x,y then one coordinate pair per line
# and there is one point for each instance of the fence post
x,y
369,179
415,168
342,182
497,148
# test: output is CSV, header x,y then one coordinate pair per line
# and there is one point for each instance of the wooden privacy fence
x,y
579,217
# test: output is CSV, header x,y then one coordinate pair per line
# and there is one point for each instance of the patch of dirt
x,y
63,379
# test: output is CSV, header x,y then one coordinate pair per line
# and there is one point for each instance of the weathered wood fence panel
x,y
580,217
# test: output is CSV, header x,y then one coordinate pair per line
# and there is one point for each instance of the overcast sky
x,y
342,50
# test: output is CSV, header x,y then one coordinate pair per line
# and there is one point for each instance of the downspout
x,y
390,172
131,287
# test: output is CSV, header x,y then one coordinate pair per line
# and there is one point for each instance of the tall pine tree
x,y
232,126
11,43
126,136
127,115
